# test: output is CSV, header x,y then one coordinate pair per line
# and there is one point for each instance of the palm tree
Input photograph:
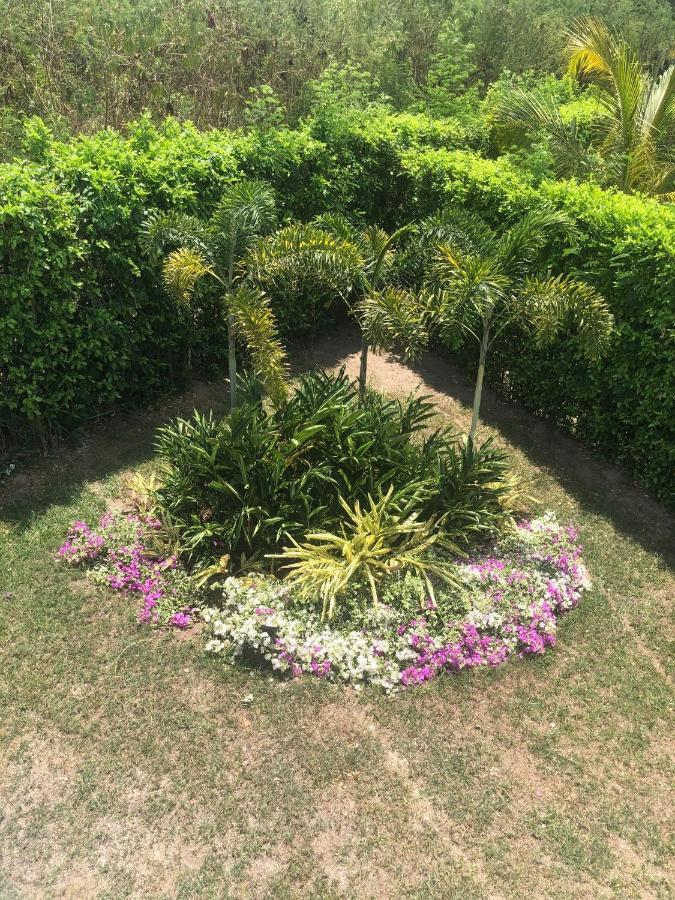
x,y
305,269
216,249
635,129
390,317
497,281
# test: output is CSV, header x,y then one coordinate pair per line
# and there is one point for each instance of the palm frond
x,y
339,225
256,325
162,231
551,304
299,252
523,115
246,211
468,287
519,249
182,270
589,48
394,320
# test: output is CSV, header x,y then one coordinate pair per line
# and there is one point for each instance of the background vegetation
x,y
87,324
87,64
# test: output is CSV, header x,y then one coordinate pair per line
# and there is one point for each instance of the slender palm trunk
x,y
478,392
231,343
364,367
232,361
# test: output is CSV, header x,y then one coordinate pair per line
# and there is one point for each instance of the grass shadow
x,y
595,484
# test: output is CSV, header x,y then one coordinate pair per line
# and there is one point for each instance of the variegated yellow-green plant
x,y
216,249
374,542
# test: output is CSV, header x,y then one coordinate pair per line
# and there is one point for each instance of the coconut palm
x,y
390,317
217,249
486,282
635,129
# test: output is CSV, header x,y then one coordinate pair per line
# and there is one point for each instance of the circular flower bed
x,y
508,600
513,594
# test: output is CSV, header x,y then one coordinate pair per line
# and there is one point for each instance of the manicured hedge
x,y
85,324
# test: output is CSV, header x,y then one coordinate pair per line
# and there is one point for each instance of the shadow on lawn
x,y
597,485
127,440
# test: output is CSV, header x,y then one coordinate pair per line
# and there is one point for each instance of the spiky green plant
x,y
634,132
384,537
481,291
216,248
244,484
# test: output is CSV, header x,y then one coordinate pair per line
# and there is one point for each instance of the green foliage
x,y
89,64
394,320
385,537
85,322
625,248
256,327
264,109
634,129
450,69
306,271
246,484
218,248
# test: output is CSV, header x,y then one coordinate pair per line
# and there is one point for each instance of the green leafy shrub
x,y
246,484
107,334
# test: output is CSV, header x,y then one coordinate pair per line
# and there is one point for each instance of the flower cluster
x,y
513,593
81,544
118,549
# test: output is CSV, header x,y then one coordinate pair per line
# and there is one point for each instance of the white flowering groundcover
x,y
508,602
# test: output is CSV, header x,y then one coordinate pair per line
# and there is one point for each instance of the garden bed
x,y
505,601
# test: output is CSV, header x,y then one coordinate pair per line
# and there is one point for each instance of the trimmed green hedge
x,y
85,324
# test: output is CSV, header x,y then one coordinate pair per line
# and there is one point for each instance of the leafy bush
x,y
245,484
86,325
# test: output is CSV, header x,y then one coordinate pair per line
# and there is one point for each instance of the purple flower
x,y
180,619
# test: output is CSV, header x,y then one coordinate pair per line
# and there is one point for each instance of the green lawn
x,y
130,765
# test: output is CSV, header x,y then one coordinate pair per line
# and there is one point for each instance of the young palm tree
x,y
635,130
305,268
390,318
479,291
216,249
